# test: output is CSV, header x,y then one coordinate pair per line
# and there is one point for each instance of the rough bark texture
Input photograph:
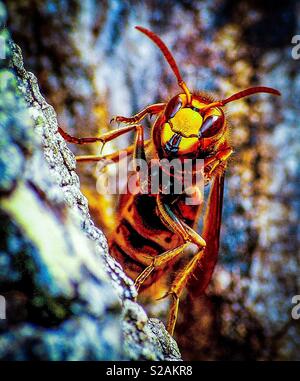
x,y
67,299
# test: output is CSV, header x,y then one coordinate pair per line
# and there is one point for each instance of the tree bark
x,y
66,297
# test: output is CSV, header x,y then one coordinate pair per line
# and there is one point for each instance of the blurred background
x,y
92,64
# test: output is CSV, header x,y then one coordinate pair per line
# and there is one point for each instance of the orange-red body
x,y
140,232
154,229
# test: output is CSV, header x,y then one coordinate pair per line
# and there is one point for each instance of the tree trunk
x,y
66,298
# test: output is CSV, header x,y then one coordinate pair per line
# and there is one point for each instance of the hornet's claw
x,y
102,147
118,119
123,119
115,119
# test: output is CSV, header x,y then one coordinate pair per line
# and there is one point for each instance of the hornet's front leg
x,y
104,138
212,163
138,148
150,110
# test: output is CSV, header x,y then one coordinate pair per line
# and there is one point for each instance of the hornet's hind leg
x,y
188,235
202,264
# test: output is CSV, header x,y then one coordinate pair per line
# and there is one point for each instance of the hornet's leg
x,y
169,218
157,261
111,158
202,264
111,135
189,236
106,137
179,227
138,147
213,162
161,259
151,110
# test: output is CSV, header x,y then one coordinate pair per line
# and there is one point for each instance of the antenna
x,y
242,94
169,57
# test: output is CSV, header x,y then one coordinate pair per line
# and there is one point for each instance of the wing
x,y
211,233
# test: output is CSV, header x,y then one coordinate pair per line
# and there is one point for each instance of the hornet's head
x,y
189,130
193,124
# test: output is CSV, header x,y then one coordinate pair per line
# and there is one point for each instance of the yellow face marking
x,y
186,122
188,145
166,133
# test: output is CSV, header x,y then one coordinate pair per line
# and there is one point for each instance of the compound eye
x,y
173,107
211,126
